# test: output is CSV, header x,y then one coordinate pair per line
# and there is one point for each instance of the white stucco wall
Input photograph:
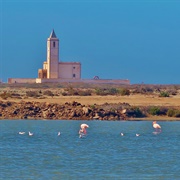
x,y
69,70
21,80
93,81
52,57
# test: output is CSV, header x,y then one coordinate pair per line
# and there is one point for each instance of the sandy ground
x,y
134,100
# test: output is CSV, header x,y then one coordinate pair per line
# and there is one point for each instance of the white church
x,y
55,71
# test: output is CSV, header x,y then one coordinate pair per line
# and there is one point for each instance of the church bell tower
x,y
52,56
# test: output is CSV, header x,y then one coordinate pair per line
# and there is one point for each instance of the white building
x,y
52,68
55,71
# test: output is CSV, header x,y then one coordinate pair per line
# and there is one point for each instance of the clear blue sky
x,y
135,40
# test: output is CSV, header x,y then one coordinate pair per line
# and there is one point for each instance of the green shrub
x,y
170,112
106,91
164,94
92,106
173,113
154,110
138,112
101,92
177,113
48,93
134,112
113,91
32,94
124,92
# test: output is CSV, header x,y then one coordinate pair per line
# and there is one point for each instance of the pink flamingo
x,y
83,131
156,126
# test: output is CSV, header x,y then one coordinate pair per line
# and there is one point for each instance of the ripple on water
x,y
102,154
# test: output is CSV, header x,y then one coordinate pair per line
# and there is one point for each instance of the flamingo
x,y
84,126
156,126
83,131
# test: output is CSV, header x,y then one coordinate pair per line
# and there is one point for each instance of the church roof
x,y
52,35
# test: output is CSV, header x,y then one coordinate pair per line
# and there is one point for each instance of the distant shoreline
x,y
34,110
90,102
153,118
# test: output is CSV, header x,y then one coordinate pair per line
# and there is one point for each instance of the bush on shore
x,y
106,91
34,94
164,94
156,111
76,92
112,91
173,113
124,92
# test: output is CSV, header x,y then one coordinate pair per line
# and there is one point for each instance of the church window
x,y
54,44
74,75
74,67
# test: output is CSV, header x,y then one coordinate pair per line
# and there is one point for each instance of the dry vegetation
x,y
160,95
156,98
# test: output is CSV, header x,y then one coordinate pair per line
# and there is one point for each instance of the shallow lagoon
x,y
102,154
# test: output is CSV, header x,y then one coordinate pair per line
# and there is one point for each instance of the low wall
x,y
107,81
21,80
93,81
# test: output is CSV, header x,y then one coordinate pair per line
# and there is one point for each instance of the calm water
x,y
102,154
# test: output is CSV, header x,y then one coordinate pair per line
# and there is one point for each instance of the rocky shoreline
x,y
71,111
